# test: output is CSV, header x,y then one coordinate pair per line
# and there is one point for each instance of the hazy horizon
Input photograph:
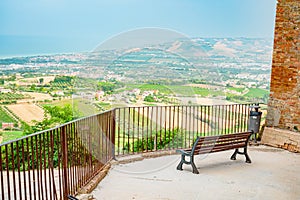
x,y
108,41
53,27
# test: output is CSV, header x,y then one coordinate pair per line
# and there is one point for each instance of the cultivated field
x,y
36,97
29,81
27,112
205,86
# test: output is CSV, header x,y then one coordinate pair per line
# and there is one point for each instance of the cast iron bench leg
x,y
195,171
233,157
179,166
248,160
191,162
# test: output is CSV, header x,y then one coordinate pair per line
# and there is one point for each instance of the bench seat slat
x,y
218,148
217,145
222,138
216,141
227,136
207,143
226,146
219,138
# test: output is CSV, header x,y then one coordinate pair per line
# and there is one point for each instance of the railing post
x,y
64,146
113,132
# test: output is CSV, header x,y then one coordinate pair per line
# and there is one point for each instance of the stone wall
x,y
284,102
282,138
283,118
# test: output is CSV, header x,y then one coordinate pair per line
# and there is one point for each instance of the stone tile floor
x,y
273,174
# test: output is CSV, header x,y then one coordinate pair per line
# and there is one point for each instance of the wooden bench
x,y
211,144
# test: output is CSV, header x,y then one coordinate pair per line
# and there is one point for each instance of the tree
x,y
32,87
41,80
13,87
107,86
12,78
59,114
54,115
65,79
149,98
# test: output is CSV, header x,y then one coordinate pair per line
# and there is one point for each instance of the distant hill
x,y
213,60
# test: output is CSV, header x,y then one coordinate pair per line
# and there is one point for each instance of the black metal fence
x,y
54,163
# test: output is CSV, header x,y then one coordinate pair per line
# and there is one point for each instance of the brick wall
x,y
284,102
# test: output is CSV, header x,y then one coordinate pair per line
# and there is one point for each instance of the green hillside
x,y
4,117
257,93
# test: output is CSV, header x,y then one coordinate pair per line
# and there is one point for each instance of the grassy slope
x,y
171,89
4,117
256,93
11,135
236,89
84,106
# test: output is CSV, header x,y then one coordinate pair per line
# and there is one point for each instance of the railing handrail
x,y
185,105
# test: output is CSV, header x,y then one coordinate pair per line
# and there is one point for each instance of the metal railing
x,y
55,163
143,129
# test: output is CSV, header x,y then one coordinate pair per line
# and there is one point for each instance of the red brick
x,y
285,86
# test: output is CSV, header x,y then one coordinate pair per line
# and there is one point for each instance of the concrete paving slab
x,y
273,174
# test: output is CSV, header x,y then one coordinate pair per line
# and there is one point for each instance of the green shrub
x,y
158,140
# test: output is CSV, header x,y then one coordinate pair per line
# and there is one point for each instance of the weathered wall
x,y
283,118
281,138
284,103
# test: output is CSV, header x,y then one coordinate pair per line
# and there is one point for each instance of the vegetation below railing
x,y
162,140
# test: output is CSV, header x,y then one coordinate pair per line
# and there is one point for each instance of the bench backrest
x,y
209,144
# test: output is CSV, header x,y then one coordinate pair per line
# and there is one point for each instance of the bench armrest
x,y
183,152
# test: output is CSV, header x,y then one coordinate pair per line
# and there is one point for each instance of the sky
x,y
33,27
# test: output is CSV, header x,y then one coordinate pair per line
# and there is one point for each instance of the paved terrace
x,y
273,174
